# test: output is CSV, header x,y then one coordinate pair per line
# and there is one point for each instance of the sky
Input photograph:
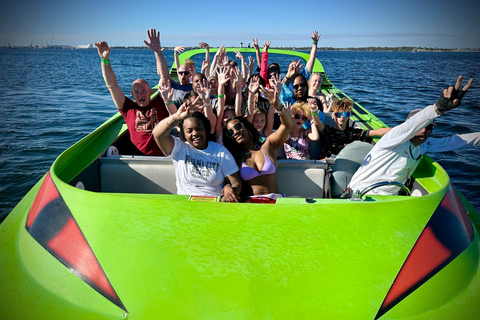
x,y
343,23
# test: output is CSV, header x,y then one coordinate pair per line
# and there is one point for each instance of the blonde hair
x,y
190,64
316,74
341,105
301,106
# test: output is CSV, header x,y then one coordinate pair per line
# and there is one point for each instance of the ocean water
x,y
49,99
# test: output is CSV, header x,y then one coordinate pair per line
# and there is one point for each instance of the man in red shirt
x,y
141,114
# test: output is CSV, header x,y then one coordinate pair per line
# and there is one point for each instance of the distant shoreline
x,y
381,49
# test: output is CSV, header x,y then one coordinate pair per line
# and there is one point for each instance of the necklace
x,y
248,154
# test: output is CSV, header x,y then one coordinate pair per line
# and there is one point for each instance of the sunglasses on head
x,y
238,126
345,114
297,116
184,73
296,86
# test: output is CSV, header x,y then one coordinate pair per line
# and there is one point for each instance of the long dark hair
x,y
206,123
235,149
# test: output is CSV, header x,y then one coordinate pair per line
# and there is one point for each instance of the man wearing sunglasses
x,y
397,154
179,88
334,139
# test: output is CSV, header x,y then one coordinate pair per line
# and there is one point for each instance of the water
x,y
49,99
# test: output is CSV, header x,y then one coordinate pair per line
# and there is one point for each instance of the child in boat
x,y
334,139
260,115
315,91
297,145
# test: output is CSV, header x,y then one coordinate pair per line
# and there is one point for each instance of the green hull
x,y
167,257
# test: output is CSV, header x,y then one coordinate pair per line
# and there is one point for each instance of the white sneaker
x,y
112,151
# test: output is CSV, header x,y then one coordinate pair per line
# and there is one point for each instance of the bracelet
x,y
280,112
104,61
221,95
228,184
169,103
315,113
314,42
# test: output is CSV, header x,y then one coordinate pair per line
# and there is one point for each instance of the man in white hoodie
x,y
397,154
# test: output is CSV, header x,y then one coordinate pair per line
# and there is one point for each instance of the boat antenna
x,y
241,31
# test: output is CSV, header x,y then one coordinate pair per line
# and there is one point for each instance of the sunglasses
x,y
429,127
345,114
271,75
184,73
238,126
297,116
296,86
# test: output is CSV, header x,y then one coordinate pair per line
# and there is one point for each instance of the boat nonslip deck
x,y
123,245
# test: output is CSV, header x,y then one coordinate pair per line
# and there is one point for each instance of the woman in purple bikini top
x,y
248,173
257,160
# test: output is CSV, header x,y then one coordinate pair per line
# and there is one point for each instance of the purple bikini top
x,y
248,173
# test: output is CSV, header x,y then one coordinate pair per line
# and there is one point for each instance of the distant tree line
x,y
399,49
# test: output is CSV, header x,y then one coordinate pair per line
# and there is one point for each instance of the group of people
x,y
225,126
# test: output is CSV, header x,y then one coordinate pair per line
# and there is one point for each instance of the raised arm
x,y
278,137
155,45
264,64
251,65
206,63
176,52
293,68
166,91
257,51
204,93
109,76
218,56
238,92
452,97
161,133
252,103
313,51
222,80
317,125
315,111
240,56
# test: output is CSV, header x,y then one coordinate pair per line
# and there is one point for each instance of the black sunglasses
x,y
429,127
184,73
297,116
238,126
296,86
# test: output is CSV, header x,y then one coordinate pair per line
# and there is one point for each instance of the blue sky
x,y
344,23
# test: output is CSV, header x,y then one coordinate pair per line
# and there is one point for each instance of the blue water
x,y
49,99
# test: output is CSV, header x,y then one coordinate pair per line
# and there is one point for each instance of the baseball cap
x,y
413,112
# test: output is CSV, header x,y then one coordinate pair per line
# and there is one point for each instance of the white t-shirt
x,y
394,157
201,172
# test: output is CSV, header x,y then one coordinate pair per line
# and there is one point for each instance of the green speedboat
x,y
107,238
